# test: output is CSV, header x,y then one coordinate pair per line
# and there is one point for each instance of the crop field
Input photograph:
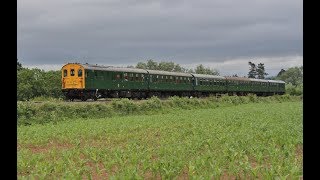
x,y
254,140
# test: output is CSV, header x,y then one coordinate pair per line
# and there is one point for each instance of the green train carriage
x,y
163,83
205,84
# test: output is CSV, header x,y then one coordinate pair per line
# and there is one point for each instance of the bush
x,y
124,106
152,103
294,90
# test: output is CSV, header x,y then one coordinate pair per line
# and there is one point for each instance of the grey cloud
x,y
52,32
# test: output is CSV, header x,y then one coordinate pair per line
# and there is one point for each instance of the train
x,y
88,81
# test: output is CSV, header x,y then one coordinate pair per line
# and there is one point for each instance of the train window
x,y
117,76
72,72
125,76
131,78
137,77
87,73
65,72
80,73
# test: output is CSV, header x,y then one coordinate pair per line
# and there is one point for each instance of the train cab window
x,y
137,77
65,72
86,73
72,72
80,73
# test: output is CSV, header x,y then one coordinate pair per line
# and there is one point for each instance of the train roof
x,y
110,68
276,81
207,76
258,80
238,78
168,73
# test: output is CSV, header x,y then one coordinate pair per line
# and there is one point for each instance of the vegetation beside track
x,y
55,111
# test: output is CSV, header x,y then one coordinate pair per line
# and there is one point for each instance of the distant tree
x,y
190,71
52,85
130,66
166,66
178,68
261,71
173,67
200,69
141,65
281,72
271,78
292,75
30,83
252,70
151,64
19,66
235,75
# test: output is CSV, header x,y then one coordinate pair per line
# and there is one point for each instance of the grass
x,y
30,113
254,140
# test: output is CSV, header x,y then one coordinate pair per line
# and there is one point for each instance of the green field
x,y
255,140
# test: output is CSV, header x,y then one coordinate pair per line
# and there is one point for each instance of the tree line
x,y
35,82
174,67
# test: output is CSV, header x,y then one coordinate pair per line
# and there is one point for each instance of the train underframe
x,y
83,94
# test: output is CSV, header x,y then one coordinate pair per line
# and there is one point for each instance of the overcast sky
x,y
222,34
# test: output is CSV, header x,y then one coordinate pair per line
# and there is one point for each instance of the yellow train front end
x,y
73,80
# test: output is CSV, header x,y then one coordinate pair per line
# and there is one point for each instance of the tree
x,y
200,69
281,72
19,66
292,75
235,75
30,83
141,65
252,71
166,66
261,71
189,71
178,68
152,65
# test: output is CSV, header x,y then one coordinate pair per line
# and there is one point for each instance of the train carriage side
x,y
259,86
238,85
169,83
209,83
116,82
276,87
